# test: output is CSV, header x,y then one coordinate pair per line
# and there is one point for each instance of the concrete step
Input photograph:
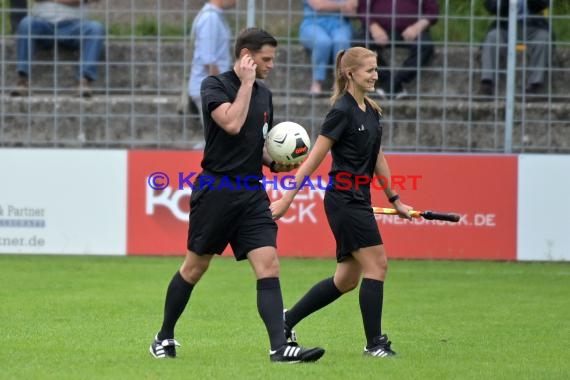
x,y
157,67
152,121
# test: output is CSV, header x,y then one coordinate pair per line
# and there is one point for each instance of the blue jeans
x,y
325,38
83,35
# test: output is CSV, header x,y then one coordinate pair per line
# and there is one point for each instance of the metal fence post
x,y
511,76
250,13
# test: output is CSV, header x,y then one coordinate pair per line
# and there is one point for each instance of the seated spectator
x,y
65,24
211,39
18,10
402,23
533,29
325,30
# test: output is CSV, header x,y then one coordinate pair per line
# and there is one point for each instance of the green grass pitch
x,y
67,317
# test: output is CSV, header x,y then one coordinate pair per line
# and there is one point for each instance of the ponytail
x,y
340,81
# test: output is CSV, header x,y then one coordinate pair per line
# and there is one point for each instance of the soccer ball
x,y
288,143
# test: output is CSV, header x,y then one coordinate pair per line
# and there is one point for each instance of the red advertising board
x,y
157,220
481,188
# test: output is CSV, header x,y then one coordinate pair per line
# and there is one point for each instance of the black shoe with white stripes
x,y
381,348
290,334
165,348
293,353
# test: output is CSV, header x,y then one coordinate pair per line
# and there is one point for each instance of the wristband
x,y
272,167
394,198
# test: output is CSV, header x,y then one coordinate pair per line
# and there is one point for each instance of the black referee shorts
x,y
219,217
352,222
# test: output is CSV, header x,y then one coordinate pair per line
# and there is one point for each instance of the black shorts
x,y
352,222
219,217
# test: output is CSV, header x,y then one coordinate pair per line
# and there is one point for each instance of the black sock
x,y
371,297
270,308
319,296
177,297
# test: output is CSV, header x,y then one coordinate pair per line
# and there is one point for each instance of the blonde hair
x,y
350,60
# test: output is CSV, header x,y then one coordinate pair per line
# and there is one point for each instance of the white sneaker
x,y
381,93
381,348
200,145
401,95
161,349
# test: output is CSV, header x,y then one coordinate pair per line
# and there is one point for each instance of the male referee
x,y
237,111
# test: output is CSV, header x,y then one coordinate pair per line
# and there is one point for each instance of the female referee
x,y
352,131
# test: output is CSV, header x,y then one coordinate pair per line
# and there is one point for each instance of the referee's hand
x,y
403,209
279,208
285,167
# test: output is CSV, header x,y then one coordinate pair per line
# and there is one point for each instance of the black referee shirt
x,y
357,136
241,154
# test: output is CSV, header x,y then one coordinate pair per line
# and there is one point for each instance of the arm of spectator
x,y
430,11
537,6
497,7
349,8
330,5
213,69
412,32
73,3
378,34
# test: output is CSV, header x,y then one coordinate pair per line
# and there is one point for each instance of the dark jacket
x,y
535,8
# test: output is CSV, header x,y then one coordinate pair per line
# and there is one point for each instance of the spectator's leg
x,y
359,37
86,36
18,10
94,33
201,143
341,38
493,47
315,38
420,53
385,73
30,33
538,45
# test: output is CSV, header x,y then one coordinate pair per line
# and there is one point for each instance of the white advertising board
x,y
55,201
543,232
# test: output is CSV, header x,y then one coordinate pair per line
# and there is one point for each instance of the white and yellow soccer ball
x,y
288,143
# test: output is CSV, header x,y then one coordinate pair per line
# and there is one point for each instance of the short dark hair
x,y
253,39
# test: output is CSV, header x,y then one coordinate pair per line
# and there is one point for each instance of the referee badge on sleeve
x,y
265,129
